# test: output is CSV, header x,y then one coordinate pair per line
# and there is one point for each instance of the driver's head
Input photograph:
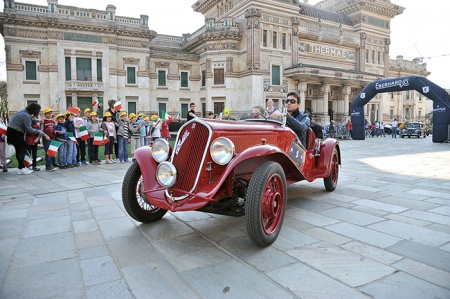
x,y
292,102
257,112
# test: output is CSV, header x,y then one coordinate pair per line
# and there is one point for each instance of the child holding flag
x,y
109,127
3,131
156,132
166,120
32,141
61,136
48,126
71,154
93,127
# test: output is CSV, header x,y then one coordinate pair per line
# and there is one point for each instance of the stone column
x,y
73,67
387,42
94,68
361,53
253,16
302,88
346,91
325,91
295,24
380,110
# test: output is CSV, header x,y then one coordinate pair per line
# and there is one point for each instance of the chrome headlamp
x,y
166,174
160,150
222,150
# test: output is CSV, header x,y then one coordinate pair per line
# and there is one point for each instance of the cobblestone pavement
x,y
384,233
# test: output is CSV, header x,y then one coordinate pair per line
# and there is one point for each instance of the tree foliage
x,y
3,101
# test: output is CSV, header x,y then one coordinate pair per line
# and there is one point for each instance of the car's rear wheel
x,y
265,203
331,181
134,199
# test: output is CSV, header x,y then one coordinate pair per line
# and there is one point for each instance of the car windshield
x,y
250,116
414,125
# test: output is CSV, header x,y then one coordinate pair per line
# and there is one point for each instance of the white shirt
x,y
394,124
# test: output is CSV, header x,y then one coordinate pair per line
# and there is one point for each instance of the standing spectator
x,y
350,129
394,128
114,117
32,141
165,132
19,123
191,113
3,150
48,126
332,129
142,129
156,127
81,147
109,127
270,108
71,154
93,126
382,129
377,128
123,137
134,127
147,129
61,136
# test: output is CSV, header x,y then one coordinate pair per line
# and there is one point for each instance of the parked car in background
x,y
388,129
414,129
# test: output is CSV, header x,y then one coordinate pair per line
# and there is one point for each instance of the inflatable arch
x,y
441,105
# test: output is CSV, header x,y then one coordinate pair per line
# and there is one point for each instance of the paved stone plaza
x,y
384,233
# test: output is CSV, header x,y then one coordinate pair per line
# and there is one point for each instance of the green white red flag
x,y
3,129
71,137
165,115
53,148
84,135
98,138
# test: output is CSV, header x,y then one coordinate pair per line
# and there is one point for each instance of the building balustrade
x,y
84,86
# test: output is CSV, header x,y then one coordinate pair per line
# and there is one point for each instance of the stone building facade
x,y
248,51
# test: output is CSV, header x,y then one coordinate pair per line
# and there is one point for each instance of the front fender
x,y
261,153
326,153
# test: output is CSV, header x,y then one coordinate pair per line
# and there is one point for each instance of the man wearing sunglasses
x,y
298,121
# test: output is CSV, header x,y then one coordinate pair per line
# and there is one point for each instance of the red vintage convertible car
x,y
236,168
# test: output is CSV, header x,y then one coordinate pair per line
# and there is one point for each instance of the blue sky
x,y
422,30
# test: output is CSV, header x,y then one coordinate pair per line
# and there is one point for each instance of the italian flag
x,y
118,105
71,137
3,129
73,110
98,138
165,115
27,161
97,101
84,135
53,148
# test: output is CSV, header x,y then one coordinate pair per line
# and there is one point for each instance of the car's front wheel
x,y
265,203
330,182
134,199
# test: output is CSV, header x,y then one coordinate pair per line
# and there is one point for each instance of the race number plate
x,y
296,152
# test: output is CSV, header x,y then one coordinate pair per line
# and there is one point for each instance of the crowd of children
x,y
69,128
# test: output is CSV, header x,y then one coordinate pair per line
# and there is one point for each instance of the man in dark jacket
x,y
298,121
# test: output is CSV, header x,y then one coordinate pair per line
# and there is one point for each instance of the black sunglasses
x,y
292,101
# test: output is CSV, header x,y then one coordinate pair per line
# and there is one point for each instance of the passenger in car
x,y
298,121
258,112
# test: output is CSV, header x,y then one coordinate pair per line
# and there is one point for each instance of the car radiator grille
x,y
190,156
